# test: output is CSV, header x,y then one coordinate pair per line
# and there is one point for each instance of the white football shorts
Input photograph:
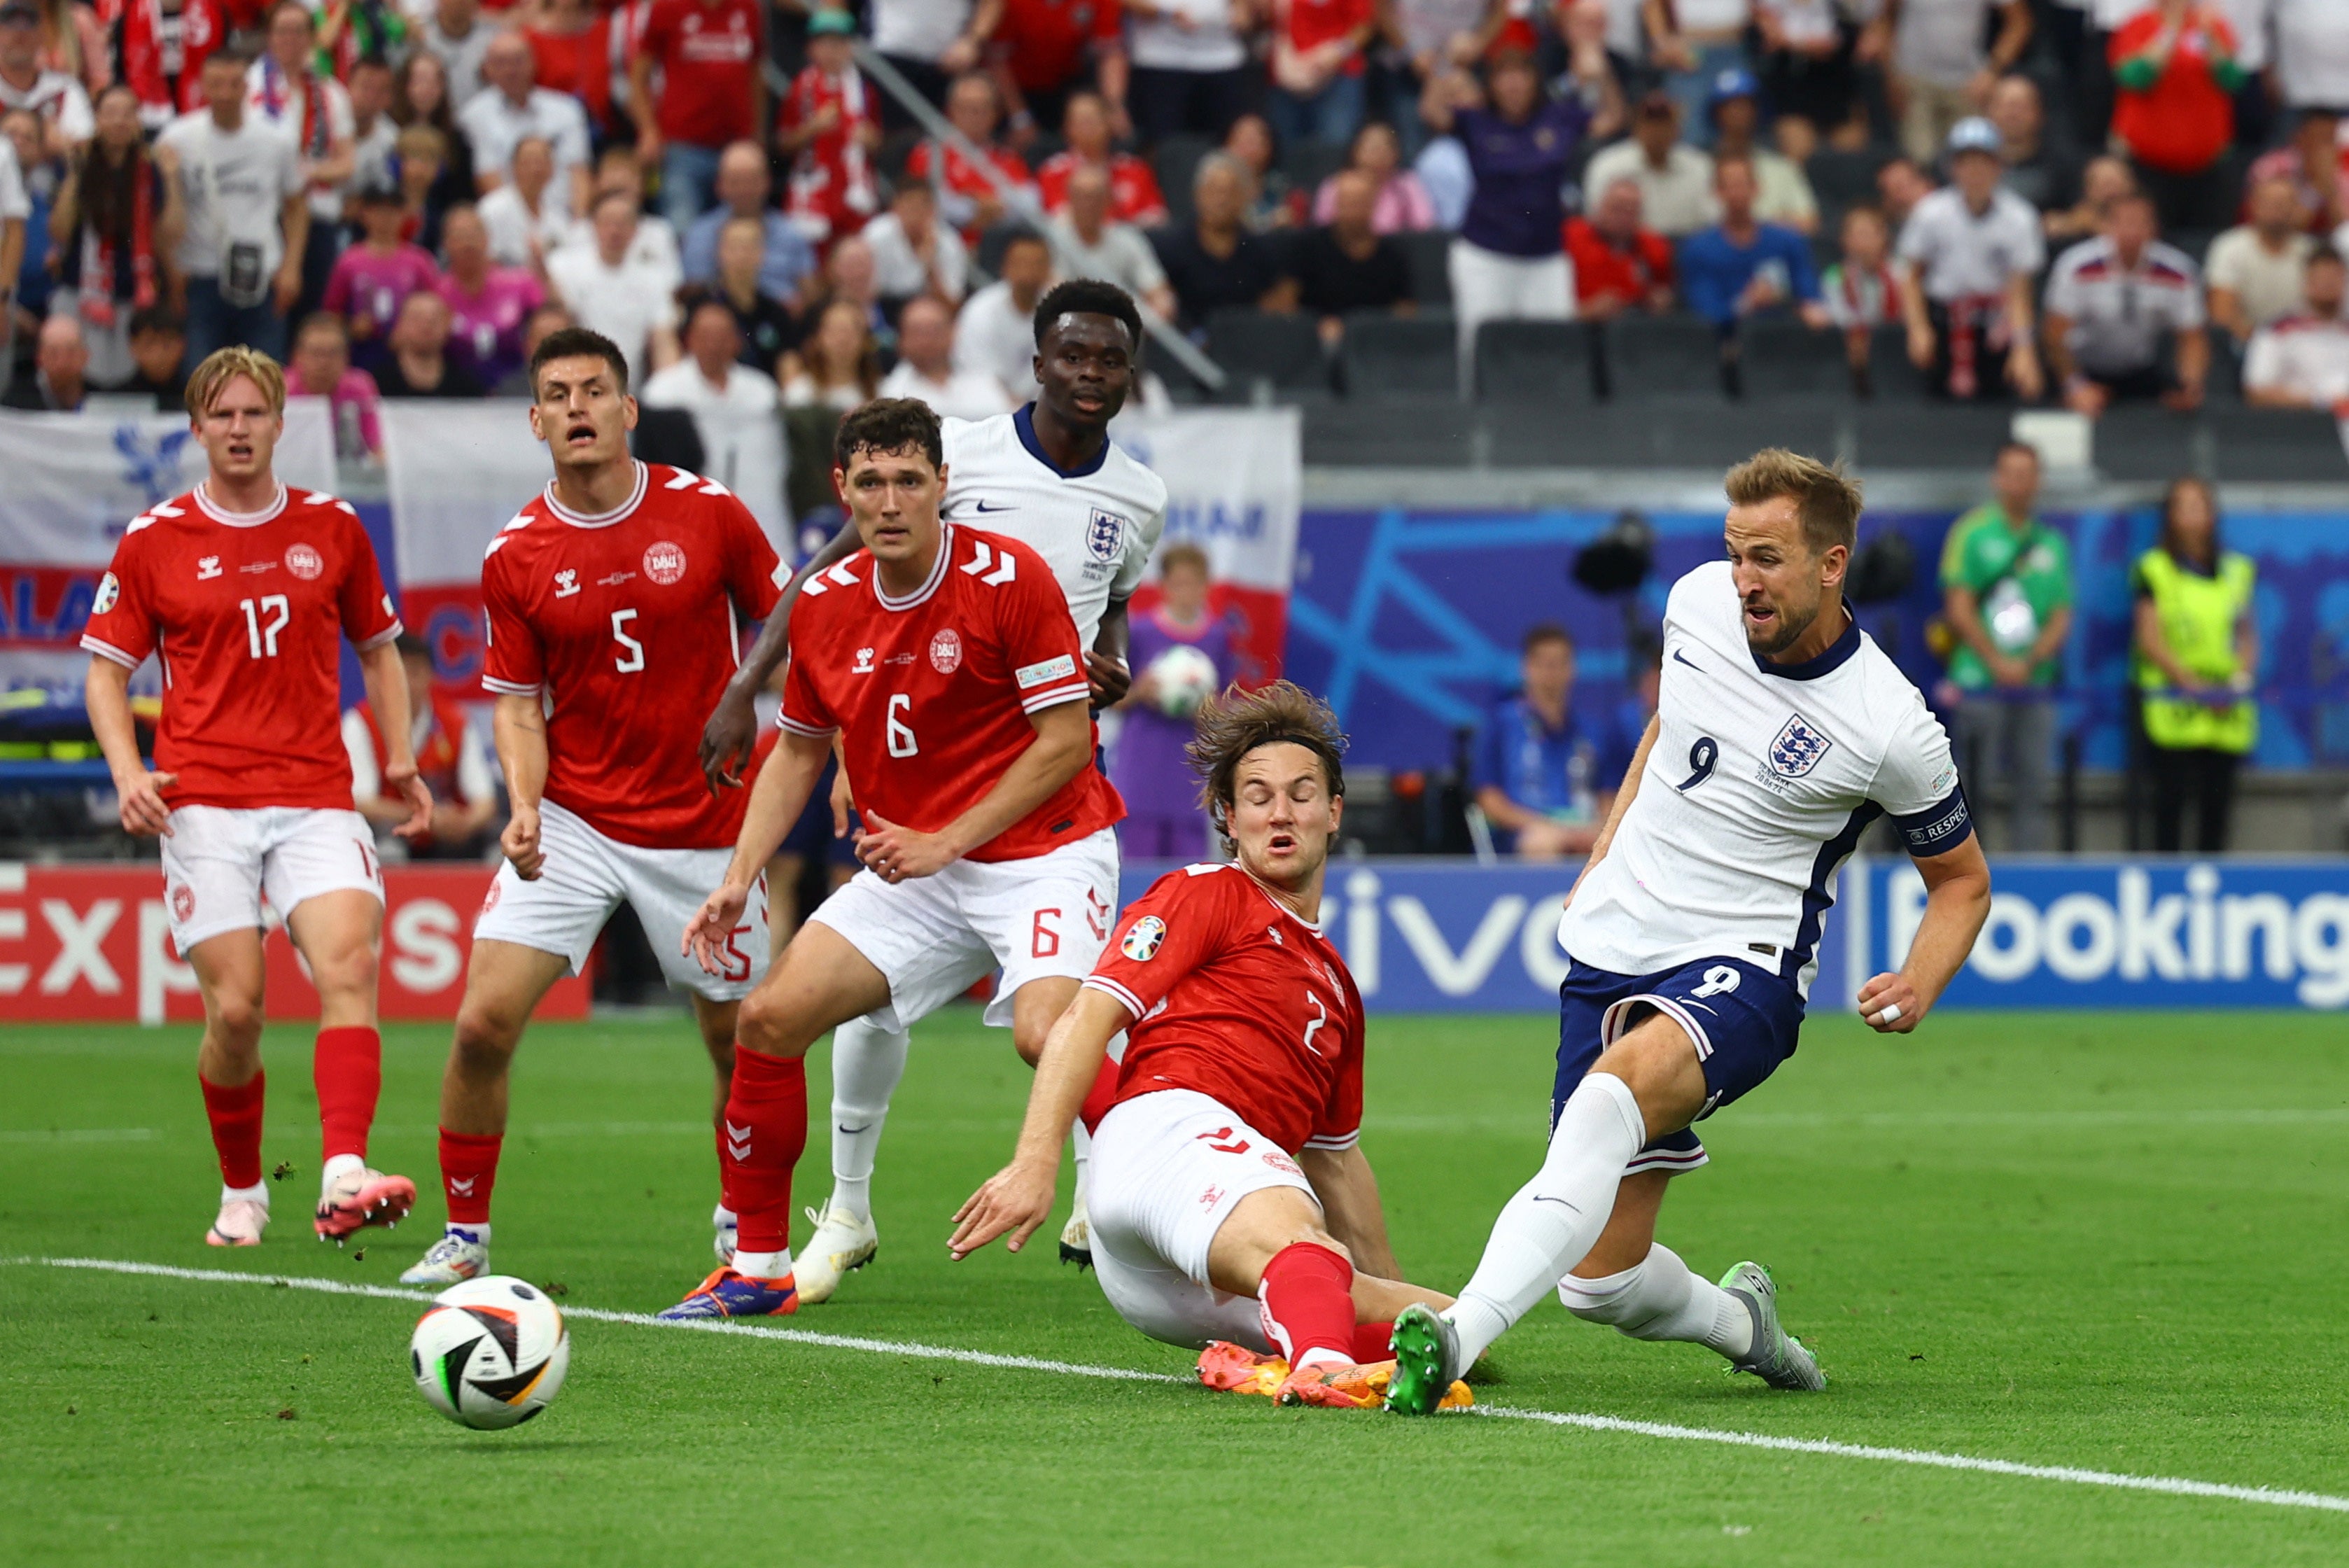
x,y
220,862
588,875
1167,1169
933,938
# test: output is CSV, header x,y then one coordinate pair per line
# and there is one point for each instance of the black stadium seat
x,y
2278,444
1892,376
1175,161
1389,357
1255,346
1429,257
1537,362
1779,357
1840,179
2146,442
669,436
1307,163
1649,356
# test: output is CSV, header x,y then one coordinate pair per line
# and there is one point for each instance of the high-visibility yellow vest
x,y
2198,616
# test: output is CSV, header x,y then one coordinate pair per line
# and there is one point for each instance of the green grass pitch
x,y
2105,1242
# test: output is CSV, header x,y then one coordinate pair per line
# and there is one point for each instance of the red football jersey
x,y
1134,194
708,52
931,693
626,624
961,177
1235,997
1048,40
246,615
831,179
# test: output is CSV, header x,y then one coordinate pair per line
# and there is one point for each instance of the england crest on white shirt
x,y
1797,748
1105,535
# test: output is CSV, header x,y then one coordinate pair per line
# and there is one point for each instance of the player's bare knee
x,y
1028,1040
772,1025
484,1042
235,1022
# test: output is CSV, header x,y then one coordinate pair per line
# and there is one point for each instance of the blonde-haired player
x,y
244,590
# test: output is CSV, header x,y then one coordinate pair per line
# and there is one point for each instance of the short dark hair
x,y
1230,726
1088,296
572,342
889,425
159,318
1022,237
2326,255
322,321
1544,631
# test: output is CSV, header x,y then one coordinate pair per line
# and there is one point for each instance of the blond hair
x,y
1826,498
222,366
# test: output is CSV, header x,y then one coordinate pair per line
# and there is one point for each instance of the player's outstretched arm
x,y
776,802
1062,748
386,675
1957,902
518,729
1019,1198
1349,1191
108,694
733,726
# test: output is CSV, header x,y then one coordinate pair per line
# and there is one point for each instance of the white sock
x,y
763,1265
480,1234
866,1063
1554,1220
724,1218
1322,1356
1661,1298
1082,1142
256,1193
342,1164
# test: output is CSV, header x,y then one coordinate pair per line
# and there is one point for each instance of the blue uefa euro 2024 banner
x,y
1447,936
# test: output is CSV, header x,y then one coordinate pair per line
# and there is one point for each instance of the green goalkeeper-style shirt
x,y
2018,579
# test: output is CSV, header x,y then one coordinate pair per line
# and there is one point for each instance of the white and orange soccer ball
x,y
491,1353
1183,678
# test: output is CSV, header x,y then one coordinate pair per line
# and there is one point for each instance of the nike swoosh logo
x,y
1691,663
851,1132
983,506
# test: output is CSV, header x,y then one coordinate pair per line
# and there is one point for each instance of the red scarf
x,y
97,273
202,29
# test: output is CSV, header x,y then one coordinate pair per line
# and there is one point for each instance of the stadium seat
x,y
1663,432
1537,362
1281,350
1932,436
1781,356
1430,432
2255,444
1892,377
1388,357
1649,356
1840,179
1175,160
2147,442
1429,255
1307,163
669,436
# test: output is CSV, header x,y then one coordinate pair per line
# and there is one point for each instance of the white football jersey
x,y
1761,781
1094,527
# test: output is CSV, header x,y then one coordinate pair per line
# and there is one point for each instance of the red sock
x,y
1308,1297
764,1136
348,1068
469,1171
1370,1344
235,1115
1101,1096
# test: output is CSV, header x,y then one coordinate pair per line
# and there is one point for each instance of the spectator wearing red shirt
x,y
2174,75
1134,194
1618,264
1045,51
572,42
828,126
1317,68
966,198
712,93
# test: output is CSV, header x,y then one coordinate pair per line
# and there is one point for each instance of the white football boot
x,y
241,1221
456,1257
1077,1235
723,1229
843,1240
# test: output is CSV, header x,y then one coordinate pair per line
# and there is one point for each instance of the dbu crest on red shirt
x,y
945,651
304,562
665,564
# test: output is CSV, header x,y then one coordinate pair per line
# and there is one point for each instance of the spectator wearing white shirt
x,y
1783,192
285,92
241,249
1091,245
1968,256
1675,180
1190,66
2302,360
1941,71
63,103
913,252
610,288
2255,269
931,42
926,369
15,207
512,107
737,413
2111,302
995,334
527,217
2312,53
454,33
654,246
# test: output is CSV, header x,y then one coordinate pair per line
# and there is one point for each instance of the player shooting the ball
x,y
1232,1205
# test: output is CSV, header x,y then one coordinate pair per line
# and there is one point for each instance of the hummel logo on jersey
x,y
1797,748
983,506
207,566
566,583
1002,574
461,1187
1685,659
863,665
737,1141
1274,932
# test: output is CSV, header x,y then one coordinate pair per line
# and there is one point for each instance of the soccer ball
x,y
1184,677
491,1353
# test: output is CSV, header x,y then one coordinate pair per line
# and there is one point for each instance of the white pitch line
x,y
2174,1485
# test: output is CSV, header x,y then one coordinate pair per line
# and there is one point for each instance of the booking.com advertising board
x,y
1428,936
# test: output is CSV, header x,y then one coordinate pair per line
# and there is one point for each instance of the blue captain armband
x,y
1937,829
